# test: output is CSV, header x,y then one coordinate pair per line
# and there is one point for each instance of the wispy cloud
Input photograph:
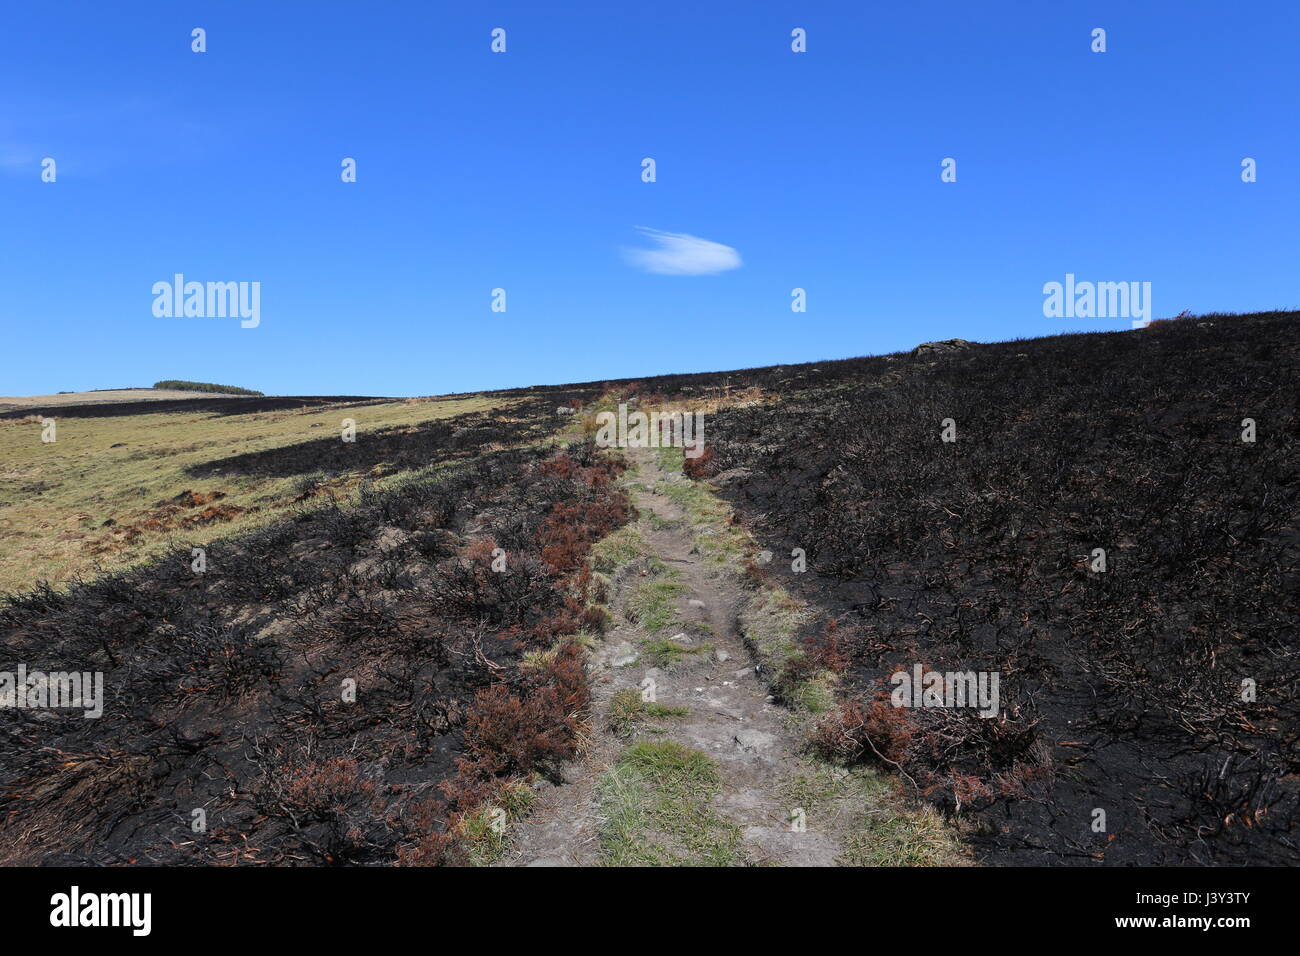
x,y
677,254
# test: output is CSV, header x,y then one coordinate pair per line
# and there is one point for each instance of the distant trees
x,y
203,387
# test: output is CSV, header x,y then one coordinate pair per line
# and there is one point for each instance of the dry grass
x,y
101,397
79,505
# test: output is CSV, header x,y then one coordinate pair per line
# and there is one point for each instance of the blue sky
x,y
522,171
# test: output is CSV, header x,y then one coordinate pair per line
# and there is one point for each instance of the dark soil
x,y
1122,690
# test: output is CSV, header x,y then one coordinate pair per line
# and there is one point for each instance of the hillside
x,y
122,481
1122,690
431,645
23,403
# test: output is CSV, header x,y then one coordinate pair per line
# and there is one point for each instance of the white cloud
x,y
678,254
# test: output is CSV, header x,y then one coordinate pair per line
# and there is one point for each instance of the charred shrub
x,y
529,728
864,730
703,465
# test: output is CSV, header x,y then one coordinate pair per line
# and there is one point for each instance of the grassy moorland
x,y
114,489
342,684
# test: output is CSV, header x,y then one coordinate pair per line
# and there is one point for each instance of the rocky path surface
x,y
731,717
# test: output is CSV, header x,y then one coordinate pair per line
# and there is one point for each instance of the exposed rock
x,y
941,349
752,741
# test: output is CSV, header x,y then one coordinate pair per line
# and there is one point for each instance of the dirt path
x,y
731,718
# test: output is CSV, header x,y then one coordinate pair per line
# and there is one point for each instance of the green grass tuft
x,y
485,837
627,711
769,622
620,548
883,828
656,810
815,695
665,652
652,603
